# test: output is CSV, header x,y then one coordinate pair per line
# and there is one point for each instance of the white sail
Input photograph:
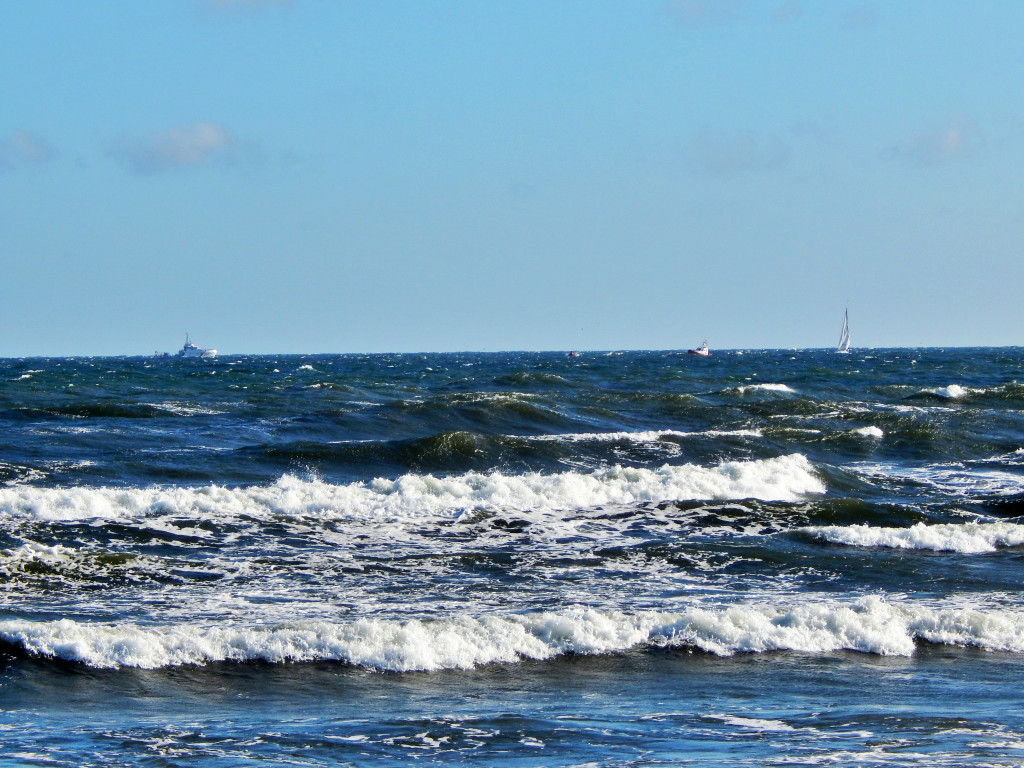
x,y
844,336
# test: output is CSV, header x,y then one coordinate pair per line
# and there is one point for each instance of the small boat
x,y
844,335
701,350
191,350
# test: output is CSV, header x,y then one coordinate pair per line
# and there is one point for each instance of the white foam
x,y
1011,459
185,409
33,551
784,478
872,431
651,436
869,625
957,480
755,724
765,388
966,538
953,391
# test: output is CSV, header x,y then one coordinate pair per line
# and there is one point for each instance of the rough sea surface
x,y
783,557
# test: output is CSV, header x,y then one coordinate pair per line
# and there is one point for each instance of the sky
x,y
333,176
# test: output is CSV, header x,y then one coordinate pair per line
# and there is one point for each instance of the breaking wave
x,y
784,478
868,625
767,387
968,538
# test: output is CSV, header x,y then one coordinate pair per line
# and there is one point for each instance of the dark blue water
x,y
639,558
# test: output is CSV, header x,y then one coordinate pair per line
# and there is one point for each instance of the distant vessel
x,y
701,350
844,335
191,350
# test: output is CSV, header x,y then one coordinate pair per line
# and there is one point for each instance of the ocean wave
x,y
966,538
868,625
1010,391
1012,459
952,480
650,436
187,409
784,478
953,391
15,474
767,387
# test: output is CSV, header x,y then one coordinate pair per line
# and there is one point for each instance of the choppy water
x,y
639,558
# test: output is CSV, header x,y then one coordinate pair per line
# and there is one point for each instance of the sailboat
x,y
844,335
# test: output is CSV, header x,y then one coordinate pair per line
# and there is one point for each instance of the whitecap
x,y
965,538
955,480
784,478
953,391
650,436
868,625
755,724
768,387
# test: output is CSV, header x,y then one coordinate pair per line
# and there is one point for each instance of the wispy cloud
x,y
956,139
180,147
700,13
724,154
21,148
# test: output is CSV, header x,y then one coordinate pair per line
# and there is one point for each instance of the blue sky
x,y
417,175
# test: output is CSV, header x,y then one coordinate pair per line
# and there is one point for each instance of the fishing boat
x,y
191,350
844,335
701,350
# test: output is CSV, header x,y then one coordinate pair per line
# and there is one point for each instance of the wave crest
x,y
967,538
784,478
869,625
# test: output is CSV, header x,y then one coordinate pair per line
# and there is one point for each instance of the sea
x,y
759,557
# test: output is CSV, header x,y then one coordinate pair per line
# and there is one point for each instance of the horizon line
x,y
683,350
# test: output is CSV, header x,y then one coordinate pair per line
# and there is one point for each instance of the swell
x,y
455,451
455,413
85,410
